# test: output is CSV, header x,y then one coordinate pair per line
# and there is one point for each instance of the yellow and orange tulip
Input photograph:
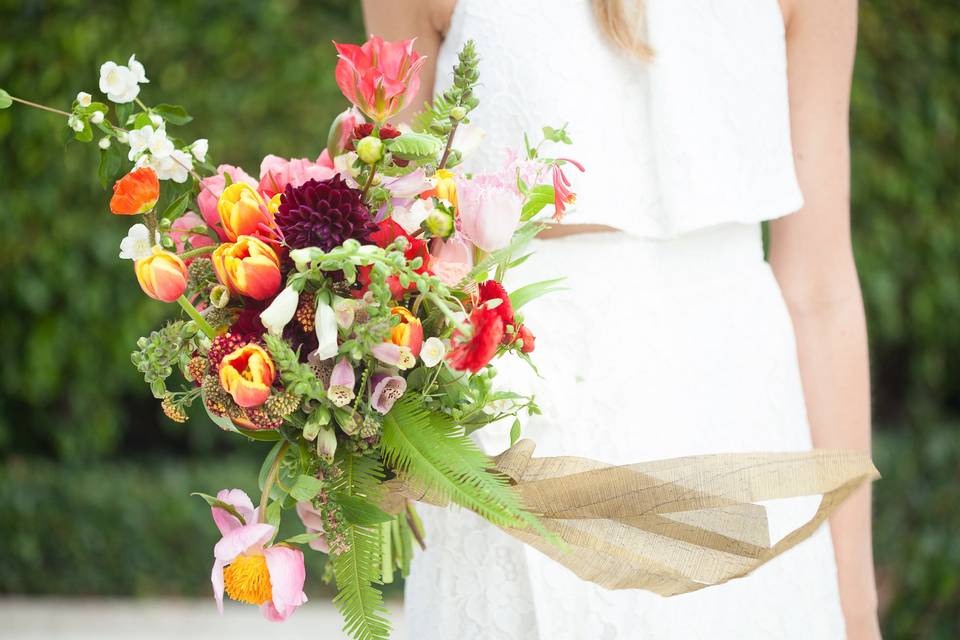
x,y
446,186
246,374
409,333
249,267
162,276
243,212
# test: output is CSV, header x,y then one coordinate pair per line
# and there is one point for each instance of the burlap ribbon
x,y
668,526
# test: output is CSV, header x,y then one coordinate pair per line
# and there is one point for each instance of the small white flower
x,y
199,149
104,143
325,323
432,351
281,311
84,99
137,69
498,406
137,244
75,123
156,120
96,117
122,137
468,139
118,82
410,217
147,139
344,162
174,166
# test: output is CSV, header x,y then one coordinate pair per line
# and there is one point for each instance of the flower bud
x,y
104,143
84,99
439,223
317,419
326,442
458,113
75,123
162,276
96,117
370,150
219,296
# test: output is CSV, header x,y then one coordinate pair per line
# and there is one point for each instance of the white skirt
x,y
657,349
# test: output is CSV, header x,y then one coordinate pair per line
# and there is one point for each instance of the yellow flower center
x,y
247,580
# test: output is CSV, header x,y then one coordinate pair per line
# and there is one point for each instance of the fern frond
x,y
431,450
358,600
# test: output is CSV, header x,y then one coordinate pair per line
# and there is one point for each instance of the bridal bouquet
x,y
346,309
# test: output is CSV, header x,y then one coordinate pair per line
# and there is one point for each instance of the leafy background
x,y
94,480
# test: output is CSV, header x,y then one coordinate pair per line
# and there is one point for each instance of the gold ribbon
x,y
668,526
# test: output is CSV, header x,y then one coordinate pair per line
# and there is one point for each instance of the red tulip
x,y
379,77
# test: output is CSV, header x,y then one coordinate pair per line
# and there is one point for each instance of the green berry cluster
x,y
160,352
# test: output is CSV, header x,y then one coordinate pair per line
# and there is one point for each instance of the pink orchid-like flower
x,y
180,232
385,390
276,172
379,77
451,259
488,211
248,568
211,188
313,522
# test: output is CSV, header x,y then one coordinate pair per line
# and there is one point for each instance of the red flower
x,y
388,232
475,353
137,192
527,338
562,195
493,290
379,77
365,129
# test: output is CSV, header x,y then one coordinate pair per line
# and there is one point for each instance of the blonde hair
x,y
622,22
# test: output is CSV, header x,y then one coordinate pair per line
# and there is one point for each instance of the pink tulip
x,y
211,188
180,232
379,77
451,259
248,568
488,210
276,172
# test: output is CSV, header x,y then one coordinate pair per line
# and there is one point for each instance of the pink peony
x,y
489,211
248,568
211,189
276,172
180,232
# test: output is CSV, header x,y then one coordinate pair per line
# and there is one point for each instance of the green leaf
x,y
260,435
274,512
415,146
86,135
521,238
223,422
305,488
220,504
172,113
303,538
5,99
176,208
515,432
557,135
360,510
537,198
123,111
532,291
142,120
355,571
108,168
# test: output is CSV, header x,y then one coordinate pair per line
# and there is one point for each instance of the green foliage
x,y
454,104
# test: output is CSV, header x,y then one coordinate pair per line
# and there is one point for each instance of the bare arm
x,y
812,258
425,20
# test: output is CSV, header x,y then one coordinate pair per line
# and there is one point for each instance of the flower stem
x,y
445,310
199,251
196,317
366,187
446,151
40,106
271,479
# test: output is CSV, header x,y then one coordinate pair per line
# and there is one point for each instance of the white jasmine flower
x,y
156,120
174,166
137,69
432,351
147,139
498,406
75,123
281,311
118,82
122,137
104,143
468,139
137,244
199,149
84,99
96,117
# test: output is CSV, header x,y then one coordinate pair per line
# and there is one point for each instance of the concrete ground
x,y
115,619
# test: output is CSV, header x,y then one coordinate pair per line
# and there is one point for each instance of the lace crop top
x,y
696,137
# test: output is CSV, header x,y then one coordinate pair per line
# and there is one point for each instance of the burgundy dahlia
x,y
323,213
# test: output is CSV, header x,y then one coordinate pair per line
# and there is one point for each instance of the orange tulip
x,y
162,276
243,212
136,192
409,333
246,374
248,267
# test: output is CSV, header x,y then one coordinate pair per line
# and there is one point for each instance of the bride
x,y
696,120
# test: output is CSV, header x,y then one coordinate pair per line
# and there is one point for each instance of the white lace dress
x,y
671,340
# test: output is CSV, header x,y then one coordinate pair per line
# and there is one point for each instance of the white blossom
x,y
410,217
104,143
96,117
84,99
146,139
199,149
137,69
281,311
174,166
122,137
75,123
432,351
118,82
468,139
156,120
137,244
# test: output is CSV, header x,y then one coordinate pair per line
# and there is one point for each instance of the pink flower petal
x,y
216,578
287,575
241,539
239,501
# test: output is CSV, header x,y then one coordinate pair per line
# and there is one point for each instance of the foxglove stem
x,y
271,478
196,317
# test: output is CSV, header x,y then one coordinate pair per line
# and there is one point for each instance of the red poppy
x,y
137,192
475,353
